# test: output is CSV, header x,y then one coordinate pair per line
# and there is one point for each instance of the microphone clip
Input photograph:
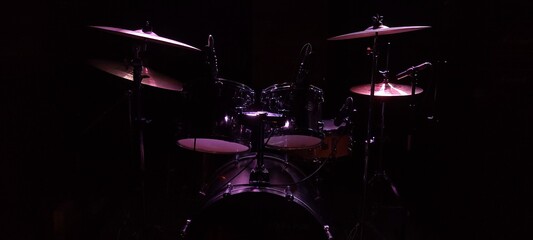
x,y
345,112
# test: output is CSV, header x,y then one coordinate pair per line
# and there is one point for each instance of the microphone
x,y
212,57
306,50
344,112
412,70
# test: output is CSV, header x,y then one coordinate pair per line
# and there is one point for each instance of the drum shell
x,y
337,143
219,130
303,108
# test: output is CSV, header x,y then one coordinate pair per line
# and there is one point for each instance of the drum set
x,y
264,191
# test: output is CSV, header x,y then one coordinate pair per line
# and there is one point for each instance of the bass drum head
x,y
255,215
246,211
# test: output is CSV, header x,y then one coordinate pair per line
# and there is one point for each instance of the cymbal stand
x,y
139,122
369,138
379,173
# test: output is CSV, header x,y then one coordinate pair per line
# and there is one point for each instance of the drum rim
x,y
288,85
275,147
236,83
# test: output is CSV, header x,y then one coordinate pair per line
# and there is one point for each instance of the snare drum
x,y
337,143
225,133
303,111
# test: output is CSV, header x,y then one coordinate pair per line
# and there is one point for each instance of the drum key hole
x,y
328,233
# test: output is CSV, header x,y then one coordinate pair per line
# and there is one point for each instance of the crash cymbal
x,y
381,30
149,77
148,36
385,90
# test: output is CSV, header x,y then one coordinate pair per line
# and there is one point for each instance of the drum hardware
x,y
337,141
212,60
229,188
259,174
288,193
346,110
303,109
303,69
344,122
257,209
387,89
140,75
254,175
373,90
301,103
225,133
342,131
413,73
184,229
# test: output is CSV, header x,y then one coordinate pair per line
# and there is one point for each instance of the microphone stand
x,y
412,109
379,173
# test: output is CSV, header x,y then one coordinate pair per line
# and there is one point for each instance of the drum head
x,y
303,109
255,215
293,142
218,129
214,146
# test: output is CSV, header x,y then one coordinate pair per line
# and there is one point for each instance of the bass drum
x,y
282,210
223,133
303,109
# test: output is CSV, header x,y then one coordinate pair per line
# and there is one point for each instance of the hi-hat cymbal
x,y
385,90
148,36
381,30
149,77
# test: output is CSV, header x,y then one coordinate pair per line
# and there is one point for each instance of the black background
x,y
469,177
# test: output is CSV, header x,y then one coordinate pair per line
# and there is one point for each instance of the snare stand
x,y
260,175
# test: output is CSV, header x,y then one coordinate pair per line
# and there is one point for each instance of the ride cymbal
x,y
385,90
149,77
148,36
381,30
